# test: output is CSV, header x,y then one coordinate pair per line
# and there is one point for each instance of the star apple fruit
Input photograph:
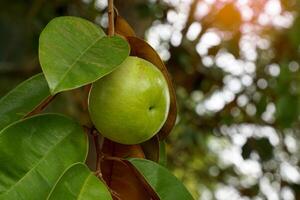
x,y
131,104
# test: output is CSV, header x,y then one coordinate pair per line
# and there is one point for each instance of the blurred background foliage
x,y
235,66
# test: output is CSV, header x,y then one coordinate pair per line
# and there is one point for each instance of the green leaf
x,y
23,99
79,183
74,52
166,185
35,152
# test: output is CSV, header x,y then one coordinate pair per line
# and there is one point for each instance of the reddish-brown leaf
x,y
121,177
151,149
122,27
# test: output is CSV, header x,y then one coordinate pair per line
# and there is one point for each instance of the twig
x,y
41,106
111,26
99,155
98,146
86,129
112,158
92,131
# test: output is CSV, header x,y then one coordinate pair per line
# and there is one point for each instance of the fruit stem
x,y
111,26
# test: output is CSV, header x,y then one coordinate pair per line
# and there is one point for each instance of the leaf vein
x,y
75,61
37,164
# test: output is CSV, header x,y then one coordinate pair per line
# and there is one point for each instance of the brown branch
x,y
112,158
100,157
98,147
41,106
111,26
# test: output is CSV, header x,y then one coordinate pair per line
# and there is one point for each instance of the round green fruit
x,y
131,104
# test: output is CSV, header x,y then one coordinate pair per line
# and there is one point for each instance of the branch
x,y
111,26
93,132
41,106
98,147
100,157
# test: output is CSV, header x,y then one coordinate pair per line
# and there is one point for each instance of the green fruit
x,y
131,104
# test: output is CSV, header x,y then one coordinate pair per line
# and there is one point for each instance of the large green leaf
x,y
35,152
23,99
167,186
74,52
79,183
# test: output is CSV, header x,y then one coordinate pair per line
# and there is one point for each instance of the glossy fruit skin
x,y
131,104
